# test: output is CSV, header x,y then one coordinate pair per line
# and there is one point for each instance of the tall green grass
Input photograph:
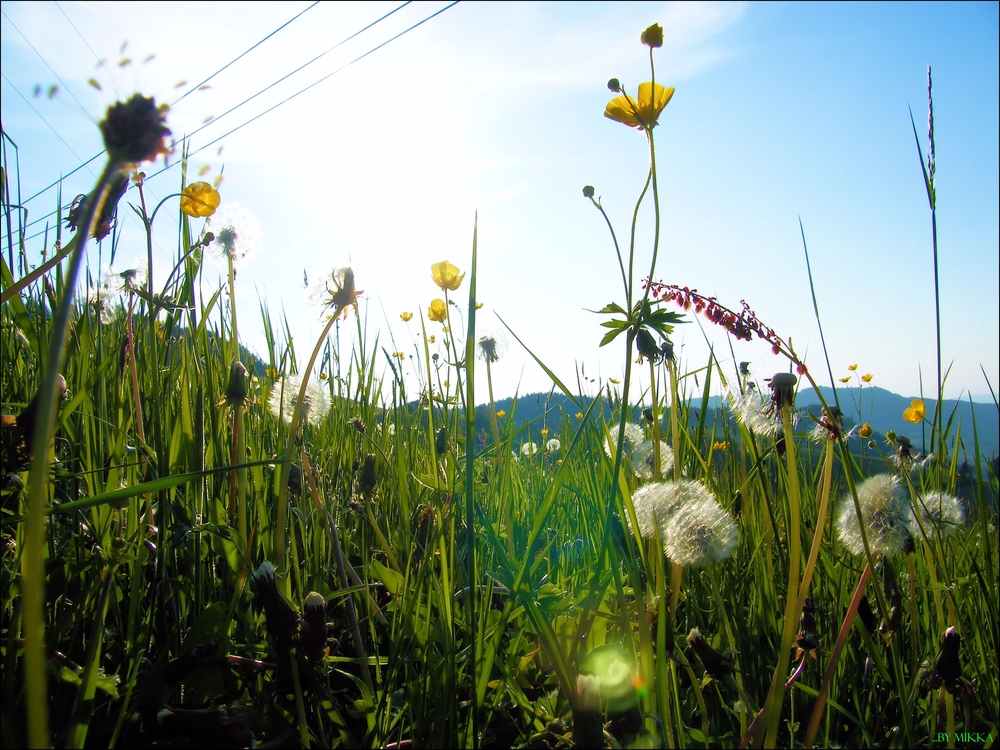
x,y
167,537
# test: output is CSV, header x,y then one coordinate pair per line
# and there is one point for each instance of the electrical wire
x,y
289,98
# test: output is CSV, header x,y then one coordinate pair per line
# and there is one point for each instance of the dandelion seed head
x,y
491,346
885,513
237,232
643,458
700,532
940,513
529,449
285,394
553,445
633,436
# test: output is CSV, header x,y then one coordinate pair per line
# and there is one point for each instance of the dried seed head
x,y
134,131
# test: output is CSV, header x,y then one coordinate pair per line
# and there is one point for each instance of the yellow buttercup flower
x,y
845,380
867,377
199,199
651,100
915,412
447,276
579,415
544,433
438,311
501,414
865,431
406,317
852,368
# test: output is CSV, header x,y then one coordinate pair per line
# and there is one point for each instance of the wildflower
x,y
237,232
940,513
885,514
284,398
529,449
852,368
579,415
491,347
544,432
446,276
199,199
845,380
653,36
553,445
642,112
438,311
867,377
501,414
271,372
915,412
430,340
643,457
338,292
865,431
133,131
633,436
588,192
720,445
406,317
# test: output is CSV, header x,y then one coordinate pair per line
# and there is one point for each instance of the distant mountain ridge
x,y
880,408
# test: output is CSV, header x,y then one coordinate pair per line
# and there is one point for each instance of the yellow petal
x,y
199,199
438,311
446,275
651,100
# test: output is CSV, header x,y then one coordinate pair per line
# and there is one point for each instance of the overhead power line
x,y
298,93
195,88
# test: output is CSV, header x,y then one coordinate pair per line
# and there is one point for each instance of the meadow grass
x,y
201,547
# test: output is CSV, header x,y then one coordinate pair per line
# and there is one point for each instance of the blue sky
x,y
781,112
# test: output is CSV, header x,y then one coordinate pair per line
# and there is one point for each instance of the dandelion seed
x,y
940,513
237,232
643,458
655,504
754,411
338,293
633,436
491,347
885,513
284,397
553,445
700,532
529,449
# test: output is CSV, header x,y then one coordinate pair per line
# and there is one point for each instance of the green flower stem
x,y
278,553
831,667
708,575
33,556
824,504
776,696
